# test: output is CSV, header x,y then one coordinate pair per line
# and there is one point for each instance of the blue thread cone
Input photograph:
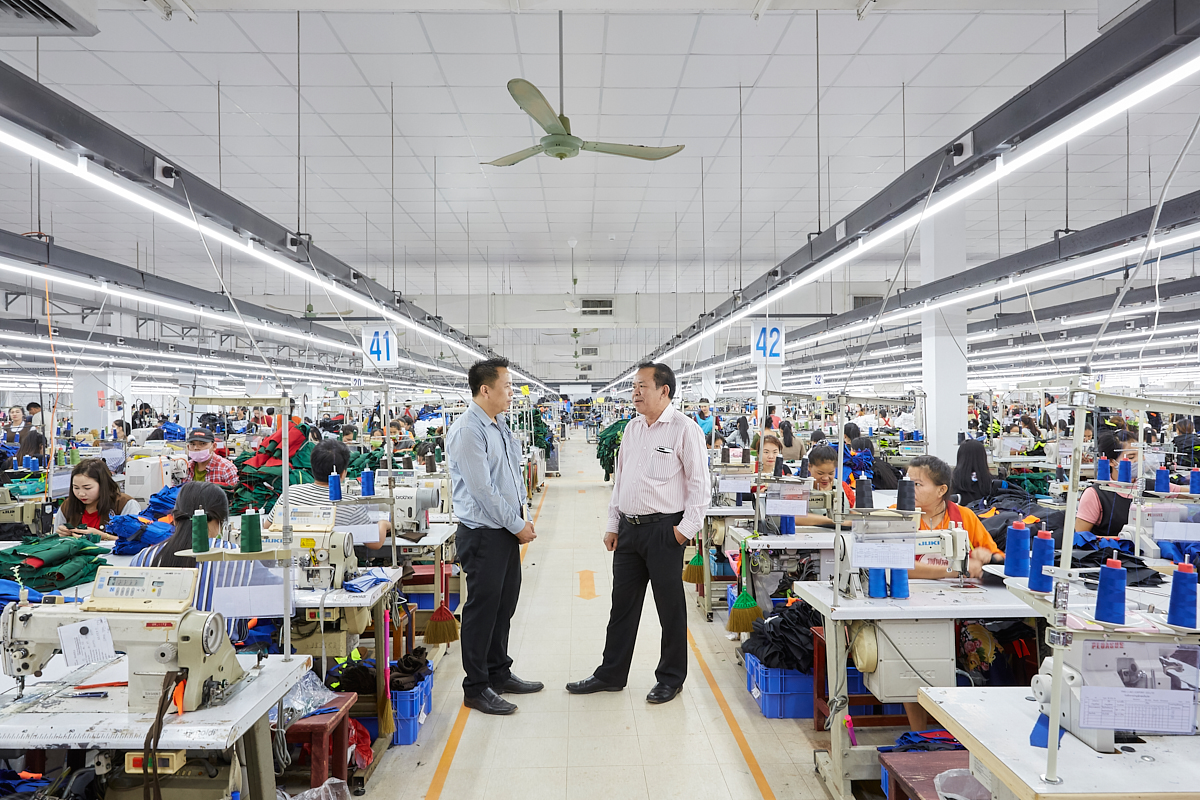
x,y
877,583
368,483
1110,594
1162,480
335,486
1125,471
1016,551
899,582
1194,486
1183,597
1103,469
1043,556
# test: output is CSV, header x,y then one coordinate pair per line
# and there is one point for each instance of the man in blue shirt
x,y
489,493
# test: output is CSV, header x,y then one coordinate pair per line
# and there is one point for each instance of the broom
x,y
386,716
745,608
693,571
442,627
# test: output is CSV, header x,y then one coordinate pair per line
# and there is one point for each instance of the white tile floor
x,y
611,746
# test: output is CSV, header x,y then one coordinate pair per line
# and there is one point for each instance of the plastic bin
x,y
424,600
719,569
780,693
407,708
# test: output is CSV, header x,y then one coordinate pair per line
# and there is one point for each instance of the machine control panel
x,y
314,519
151,589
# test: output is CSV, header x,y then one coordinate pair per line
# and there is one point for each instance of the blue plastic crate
x,y
781,693
883,780
731,593
719,569
407,708
424,600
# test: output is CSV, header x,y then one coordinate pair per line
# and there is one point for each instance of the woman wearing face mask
x,y
204,464
94,499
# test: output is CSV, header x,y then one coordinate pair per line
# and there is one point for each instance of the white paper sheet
x,y
786,507
743,485
1142,710
86,642
884,555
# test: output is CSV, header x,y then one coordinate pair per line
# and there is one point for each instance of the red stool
x,y
318,730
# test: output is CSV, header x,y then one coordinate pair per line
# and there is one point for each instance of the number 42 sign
x,y
766,343
379,346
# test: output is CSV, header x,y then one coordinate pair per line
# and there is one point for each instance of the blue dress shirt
x,y
485,471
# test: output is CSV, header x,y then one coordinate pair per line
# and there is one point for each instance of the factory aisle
x,y
609,746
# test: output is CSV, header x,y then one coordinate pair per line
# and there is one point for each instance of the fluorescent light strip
x,y
86,169
1168,71
43,273
198,363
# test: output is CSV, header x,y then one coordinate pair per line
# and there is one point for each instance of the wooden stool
x,y
821,694
910,775
318,730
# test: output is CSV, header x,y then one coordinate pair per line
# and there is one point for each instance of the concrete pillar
x,y
944,335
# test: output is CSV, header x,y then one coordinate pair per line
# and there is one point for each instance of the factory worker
x,y
203,462
822,466
932,478
94,499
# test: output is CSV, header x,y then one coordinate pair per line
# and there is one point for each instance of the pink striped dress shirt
x,y
662,469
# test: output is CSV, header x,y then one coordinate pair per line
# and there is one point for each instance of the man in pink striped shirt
x,y
660,494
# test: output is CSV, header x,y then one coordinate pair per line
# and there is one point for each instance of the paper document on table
x,y
363,534
742,485
884,555
1141,710
86,642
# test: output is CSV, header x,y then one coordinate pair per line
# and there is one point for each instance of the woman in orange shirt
x,y
932,478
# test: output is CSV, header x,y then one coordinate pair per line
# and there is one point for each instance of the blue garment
x,y
363,583
485,471
135,533
705,423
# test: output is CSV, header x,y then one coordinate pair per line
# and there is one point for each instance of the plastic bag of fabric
x,y
305,697
162,502
960,784
135,533
332,789
173,432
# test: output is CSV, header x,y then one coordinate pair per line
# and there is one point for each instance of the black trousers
x,y
491,557
647,553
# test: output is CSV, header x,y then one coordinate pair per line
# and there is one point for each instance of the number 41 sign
x,y
379,345
766,343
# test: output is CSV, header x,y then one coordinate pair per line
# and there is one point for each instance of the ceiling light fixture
x,y
1151,81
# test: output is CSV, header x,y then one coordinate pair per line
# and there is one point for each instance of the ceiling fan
x,y
558,141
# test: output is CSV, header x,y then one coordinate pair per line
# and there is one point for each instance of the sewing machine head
x,y
326,557
150,618
413,505
877,526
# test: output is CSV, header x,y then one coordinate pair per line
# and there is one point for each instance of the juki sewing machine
x,y
145,476
326,557
151,619
898,656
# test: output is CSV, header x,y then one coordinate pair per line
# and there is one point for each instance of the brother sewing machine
x,y
413,505
151,619
326,557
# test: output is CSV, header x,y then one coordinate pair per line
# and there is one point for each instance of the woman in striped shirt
x,y
209,499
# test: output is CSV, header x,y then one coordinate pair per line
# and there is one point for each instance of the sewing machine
x,y
1113,664
145,476
326,557
877,526
30,513
150,618
413,505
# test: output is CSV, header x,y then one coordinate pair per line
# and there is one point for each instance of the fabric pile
x,y
1091,552
1009,505
135,533
260,476
52,563
162,502
407,673
608,443
784,640
923,742
365,460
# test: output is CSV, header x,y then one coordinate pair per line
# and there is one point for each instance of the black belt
x,y
650,519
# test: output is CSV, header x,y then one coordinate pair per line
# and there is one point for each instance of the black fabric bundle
x,y
1137,573
784,640
410,671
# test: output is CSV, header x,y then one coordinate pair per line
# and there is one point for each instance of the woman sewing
x,y
932,478
94,499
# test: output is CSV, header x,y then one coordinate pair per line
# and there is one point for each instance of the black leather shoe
x,y
591,685
490,703
515,685
661,693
